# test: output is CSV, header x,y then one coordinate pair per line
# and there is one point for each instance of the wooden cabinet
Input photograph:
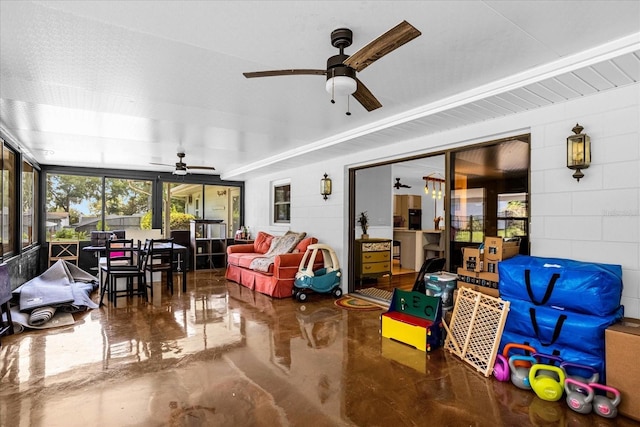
x,y
208,244
400,205
373,258
403,202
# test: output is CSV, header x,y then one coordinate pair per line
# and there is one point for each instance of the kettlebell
x,y
527,350
548,385
520,374
577,371
576,398
501,368
547,359
602,404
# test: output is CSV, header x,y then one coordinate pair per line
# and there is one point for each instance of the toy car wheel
x,y
302,296
337,292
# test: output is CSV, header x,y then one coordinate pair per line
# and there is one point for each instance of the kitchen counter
x,y
416,245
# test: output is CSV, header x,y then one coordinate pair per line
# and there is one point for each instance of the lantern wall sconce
x,y
325,186
578,151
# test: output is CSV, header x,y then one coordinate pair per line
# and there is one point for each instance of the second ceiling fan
x,y
181,167
341,69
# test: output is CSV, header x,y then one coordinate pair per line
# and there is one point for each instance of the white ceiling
x,y
122,84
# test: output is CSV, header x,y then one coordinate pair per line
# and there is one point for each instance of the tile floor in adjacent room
x,y
222,355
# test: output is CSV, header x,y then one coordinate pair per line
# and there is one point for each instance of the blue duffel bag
x,y
567,354
579,286
560,328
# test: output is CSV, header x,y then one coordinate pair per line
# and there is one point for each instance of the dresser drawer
x,y
375,256
376,267
376,246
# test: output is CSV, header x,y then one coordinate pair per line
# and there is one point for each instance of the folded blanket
x,y
279,245
41,315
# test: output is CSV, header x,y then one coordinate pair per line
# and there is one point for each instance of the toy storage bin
x,y
441,284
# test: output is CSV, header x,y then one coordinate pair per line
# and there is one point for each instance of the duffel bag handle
x,y
556,330
547,294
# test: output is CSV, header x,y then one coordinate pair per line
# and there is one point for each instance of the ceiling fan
x,y
341,69
181,168
398,185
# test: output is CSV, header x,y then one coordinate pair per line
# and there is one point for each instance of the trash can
x,y
441,284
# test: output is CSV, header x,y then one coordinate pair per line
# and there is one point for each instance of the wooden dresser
x,y
373,258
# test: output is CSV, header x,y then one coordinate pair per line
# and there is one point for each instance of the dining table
x,y
181,250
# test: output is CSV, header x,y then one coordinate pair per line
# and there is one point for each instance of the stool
x,y
396,251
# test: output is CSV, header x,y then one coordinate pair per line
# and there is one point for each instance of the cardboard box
x,y
472,259
487,291
497,249
491,266
622,346
488,280
484,279
467,276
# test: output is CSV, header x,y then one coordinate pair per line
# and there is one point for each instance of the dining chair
x,y
124,260
159,258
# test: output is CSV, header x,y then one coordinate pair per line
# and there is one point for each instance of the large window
x,y
282,203
29,197
75,205
8,201
127,204
182,202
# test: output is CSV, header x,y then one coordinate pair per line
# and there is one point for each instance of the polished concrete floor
x,y
221,355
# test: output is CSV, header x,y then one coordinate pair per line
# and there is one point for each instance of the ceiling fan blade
x,y
160,164
209,168
386,43
365,97
273,73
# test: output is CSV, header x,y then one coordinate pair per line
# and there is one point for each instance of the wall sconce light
x,y
578,151
325,186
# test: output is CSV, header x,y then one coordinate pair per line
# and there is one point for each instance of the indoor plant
x,y
363,220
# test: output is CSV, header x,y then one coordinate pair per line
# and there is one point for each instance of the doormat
x,y
375,295
352,303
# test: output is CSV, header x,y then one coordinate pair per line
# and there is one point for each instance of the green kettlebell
x,y
550,385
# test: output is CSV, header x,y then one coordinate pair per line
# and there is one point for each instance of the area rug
x,y
352,303
21,321
375,295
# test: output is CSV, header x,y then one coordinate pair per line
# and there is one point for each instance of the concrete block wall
x,y
596,219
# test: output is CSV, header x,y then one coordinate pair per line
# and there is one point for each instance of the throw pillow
x,y
262,243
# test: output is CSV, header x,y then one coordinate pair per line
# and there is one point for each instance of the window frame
x,y
285,187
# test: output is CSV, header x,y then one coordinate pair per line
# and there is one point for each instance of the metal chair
x,y
159,258
124,260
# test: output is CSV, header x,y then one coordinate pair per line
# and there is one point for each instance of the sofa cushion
x,y
304,243
242,259
262,242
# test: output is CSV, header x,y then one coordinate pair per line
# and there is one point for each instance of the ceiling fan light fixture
x,y
180,172
341,85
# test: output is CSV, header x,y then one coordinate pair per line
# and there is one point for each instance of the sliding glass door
x,y
490,195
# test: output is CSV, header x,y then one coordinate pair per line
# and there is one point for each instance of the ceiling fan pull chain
x,y
333,86
348,108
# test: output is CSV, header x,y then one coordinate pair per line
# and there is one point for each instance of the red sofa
x,y
278,281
